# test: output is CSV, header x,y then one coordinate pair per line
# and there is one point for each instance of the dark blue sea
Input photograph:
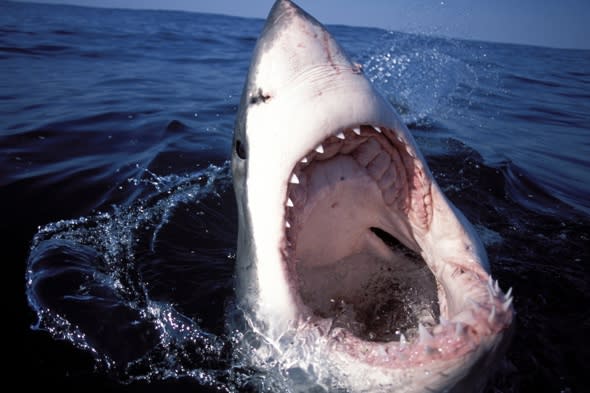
x,y
117,216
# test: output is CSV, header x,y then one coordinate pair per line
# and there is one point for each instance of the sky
x,y
553,23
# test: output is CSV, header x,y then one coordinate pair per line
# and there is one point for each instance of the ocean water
x,y
118,222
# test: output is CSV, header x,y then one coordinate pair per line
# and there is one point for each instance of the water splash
x,y
419,78
90,283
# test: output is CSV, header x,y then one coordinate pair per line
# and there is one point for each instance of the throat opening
x,y
377,297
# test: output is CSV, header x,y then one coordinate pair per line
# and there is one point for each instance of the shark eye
x,y
240,149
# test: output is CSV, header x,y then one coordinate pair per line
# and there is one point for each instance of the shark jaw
x,y
364,225
346,243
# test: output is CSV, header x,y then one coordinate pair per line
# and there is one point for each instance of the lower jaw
x,y
469,335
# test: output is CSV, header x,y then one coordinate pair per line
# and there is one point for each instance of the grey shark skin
x,y
352,266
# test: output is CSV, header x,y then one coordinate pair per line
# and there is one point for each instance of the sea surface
x,y
117,216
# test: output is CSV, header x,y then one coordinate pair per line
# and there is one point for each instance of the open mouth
x,y
358,208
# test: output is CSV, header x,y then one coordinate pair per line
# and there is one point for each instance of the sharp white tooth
x,y
492,315
340,135
492,294
289,202
507,304
304,160
509,293
497,287
357,130
399,138
320,149
425,337
378,129
458,329
410,152
294,179
287,225
490,282
402,342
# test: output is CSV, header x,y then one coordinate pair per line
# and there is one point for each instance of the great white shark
x,y
352,266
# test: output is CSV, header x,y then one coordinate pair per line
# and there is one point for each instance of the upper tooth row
x,y
357,130
340,135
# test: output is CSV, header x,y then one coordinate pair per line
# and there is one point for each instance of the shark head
x,y
346,242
